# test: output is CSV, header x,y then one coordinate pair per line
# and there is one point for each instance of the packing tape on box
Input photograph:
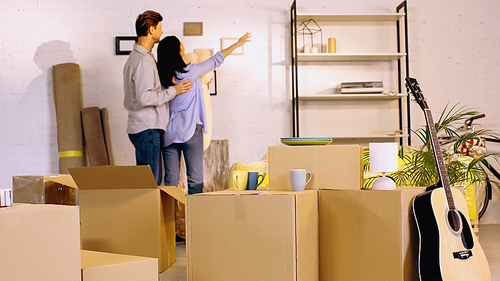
x,y
5,197
71,153
239,208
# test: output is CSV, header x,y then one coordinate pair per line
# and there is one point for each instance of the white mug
x,y
298,179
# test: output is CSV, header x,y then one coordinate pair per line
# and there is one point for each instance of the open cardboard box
x,y
123,211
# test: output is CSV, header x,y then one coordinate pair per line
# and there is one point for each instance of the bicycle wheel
x,y
483,197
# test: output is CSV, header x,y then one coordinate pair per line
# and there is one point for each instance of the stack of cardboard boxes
x,y
333,230
124,222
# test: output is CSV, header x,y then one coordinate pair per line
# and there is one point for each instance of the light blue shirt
x,y
188,109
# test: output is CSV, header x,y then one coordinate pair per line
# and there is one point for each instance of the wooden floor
x,y
489,237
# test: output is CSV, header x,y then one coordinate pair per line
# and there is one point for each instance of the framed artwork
x,y
226,42
124,44
210,50
193,29
212,86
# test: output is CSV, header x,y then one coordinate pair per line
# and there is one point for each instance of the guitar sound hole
x,y
454,220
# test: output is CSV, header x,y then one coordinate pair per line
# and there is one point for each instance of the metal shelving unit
x,y
401,57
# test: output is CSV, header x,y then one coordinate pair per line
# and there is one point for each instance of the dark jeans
x,y
148,150
193,155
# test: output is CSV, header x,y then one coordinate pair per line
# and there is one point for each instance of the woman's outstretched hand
x,y
245,38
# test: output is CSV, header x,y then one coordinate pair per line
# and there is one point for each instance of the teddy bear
x,y
199,56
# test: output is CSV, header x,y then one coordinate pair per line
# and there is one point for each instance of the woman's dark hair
x,y
145,20
169,60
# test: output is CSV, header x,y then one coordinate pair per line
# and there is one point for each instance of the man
x,y
145,99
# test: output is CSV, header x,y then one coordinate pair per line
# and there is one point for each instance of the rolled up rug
x,y
94,137
66,81
107,135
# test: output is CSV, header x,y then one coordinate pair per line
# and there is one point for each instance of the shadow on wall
x,y
38,100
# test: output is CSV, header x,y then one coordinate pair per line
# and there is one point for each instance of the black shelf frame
x,y
405,60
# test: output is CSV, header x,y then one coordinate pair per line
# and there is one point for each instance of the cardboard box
x,y
123,211
39,242
252,235
99,266
331,166
42,190
368,235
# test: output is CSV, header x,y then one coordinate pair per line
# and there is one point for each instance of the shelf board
x,y
372,136
351,97
349,57
351,17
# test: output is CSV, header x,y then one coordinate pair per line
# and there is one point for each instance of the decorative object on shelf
x,y
226,42
332,45
307,48
314,50
124,44
309,28
306,141
383,159
361,87
193,29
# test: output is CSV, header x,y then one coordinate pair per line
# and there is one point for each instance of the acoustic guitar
x,y
448,249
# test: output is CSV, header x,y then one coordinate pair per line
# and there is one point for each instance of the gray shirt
x,y
145,98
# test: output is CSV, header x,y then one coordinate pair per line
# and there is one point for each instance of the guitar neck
x,y
438,156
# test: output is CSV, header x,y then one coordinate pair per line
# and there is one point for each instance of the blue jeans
x,y
148,150
193,155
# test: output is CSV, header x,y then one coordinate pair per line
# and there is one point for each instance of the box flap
x,y
232,192
100,266
113,177
175,192
66,180
95,258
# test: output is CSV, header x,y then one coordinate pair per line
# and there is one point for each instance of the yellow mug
x,y
240,179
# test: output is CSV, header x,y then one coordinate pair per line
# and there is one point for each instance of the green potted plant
x,y
418,165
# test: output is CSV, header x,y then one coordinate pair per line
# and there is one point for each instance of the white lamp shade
x,y
383,157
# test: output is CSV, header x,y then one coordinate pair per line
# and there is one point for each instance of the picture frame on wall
x,y
125,44
193,29
212,86
226,42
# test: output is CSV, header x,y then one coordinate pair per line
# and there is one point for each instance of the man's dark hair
x,y
145,21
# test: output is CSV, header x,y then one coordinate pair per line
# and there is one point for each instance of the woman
x,y
187,112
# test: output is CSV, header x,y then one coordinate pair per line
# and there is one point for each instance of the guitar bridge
x,y
462,255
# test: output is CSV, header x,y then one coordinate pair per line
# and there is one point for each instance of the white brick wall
x,y
454,55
